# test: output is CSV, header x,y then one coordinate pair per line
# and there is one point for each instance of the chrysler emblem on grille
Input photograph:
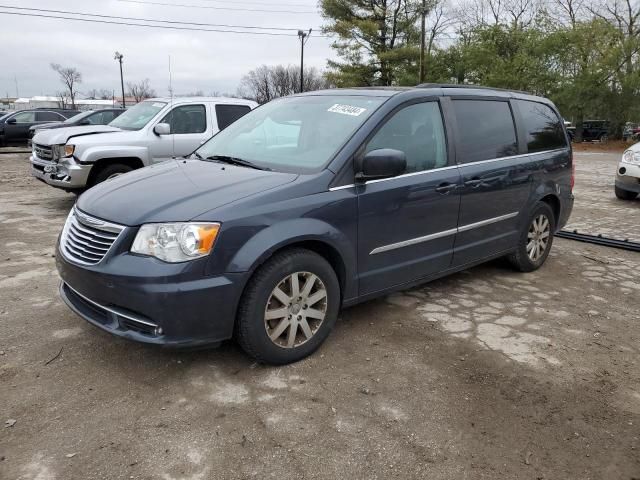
x,y
89,220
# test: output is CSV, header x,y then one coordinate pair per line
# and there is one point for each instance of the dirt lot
x,y
486,374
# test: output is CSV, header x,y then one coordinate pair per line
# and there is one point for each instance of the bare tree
x,y
70,77
268,82
141,90
62,99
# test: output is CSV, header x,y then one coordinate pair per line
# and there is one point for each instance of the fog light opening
x,y
622,171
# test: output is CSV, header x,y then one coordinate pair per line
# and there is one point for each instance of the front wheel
x,y
289,307
536,238
625,194
110,171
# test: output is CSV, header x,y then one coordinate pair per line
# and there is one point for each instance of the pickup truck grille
x,y
43,152
86,239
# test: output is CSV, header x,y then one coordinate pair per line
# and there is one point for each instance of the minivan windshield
x,y
138,116
294,134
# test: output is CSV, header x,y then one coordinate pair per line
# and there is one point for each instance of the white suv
x,y
628,174
158,129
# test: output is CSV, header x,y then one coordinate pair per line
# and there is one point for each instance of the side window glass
x,y
25,117
186,119
227,114
486,130
48,117
418,131
542,126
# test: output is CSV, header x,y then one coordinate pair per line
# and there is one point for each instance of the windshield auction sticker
x,y
347,110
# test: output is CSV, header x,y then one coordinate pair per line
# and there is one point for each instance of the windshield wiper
x,y
236,161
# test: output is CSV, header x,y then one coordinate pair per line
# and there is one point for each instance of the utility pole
x,y
118,56
304,36
423,14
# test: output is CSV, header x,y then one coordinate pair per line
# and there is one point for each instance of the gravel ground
x,y
486,374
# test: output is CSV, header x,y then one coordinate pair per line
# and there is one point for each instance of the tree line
x,y
582,54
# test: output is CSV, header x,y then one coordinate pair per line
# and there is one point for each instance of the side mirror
x,y
162,129
383,163
12,121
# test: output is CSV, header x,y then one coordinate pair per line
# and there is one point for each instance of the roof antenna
x,y
173,137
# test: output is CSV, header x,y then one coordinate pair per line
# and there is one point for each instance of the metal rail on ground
x,y
625,244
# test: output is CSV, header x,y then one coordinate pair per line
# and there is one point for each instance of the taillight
x,y
573,172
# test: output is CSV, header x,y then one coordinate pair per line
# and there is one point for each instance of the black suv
x,y
592,130
315,202
14,127
91,117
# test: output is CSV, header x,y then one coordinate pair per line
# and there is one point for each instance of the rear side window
x,y
48,117
486,130
227,114
542,126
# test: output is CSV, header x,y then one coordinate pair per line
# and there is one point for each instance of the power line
x,y
148,19
166,27
148,2
263,3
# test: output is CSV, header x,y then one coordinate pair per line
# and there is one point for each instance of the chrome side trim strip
x,y
444,233
488,221
480,162
413,241
110,310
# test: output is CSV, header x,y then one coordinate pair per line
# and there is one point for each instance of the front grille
x,y
43,152
86,239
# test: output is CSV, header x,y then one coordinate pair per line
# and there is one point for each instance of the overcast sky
x,y
206,61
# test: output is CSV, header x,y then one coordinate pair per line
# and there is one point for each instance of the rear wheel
x,y
289,307
535,239
109,171
625,194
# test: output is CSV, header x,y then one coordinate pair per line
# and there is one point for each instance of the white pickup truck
x,y
152,131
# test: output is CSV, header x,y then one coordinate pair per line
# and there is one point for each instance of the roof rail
x,y
477,87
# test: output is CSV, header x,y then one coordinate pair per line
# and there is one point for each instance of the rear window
x,y
227,114
542,126
486,130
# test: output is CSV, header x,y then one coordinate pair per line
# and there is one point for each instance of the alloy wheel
x,y
296,309
538,237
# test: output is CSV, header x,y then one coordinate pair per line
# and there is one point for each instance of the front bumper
x,y
149,301
628,177
67,173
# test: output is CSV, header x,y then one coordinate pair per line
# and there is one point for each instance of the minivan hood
x,y
175,191
60,136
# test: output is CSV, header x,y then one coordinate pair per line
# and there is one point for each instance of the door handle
x,y
474,182
445,188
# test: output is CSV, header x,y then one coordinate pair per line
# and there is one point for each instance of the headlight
x,y
68,150
175,242
631,157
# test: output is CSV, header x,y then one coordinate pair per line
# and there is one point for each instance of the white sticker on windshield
x,y
347,110
158,105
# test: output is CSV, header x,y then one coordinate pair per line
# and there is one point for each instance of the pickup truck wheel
x,y
535,239
289,307
625,194
110,171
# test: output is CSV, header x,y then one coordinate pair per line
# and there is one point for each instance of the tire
x,y
524,259
254,332
625,194
110,171
603,138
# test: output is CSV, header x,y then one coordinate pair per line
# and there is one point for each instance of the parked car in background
x,y
91,117
311,203
592,130
627,186
152,131
14,127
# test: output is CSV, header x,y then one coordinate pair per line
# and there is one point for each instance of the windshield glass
x,y
78,117
296,134
138,116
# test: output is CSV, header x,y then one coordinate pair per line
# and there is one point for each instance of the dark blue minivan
x,y
315,202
